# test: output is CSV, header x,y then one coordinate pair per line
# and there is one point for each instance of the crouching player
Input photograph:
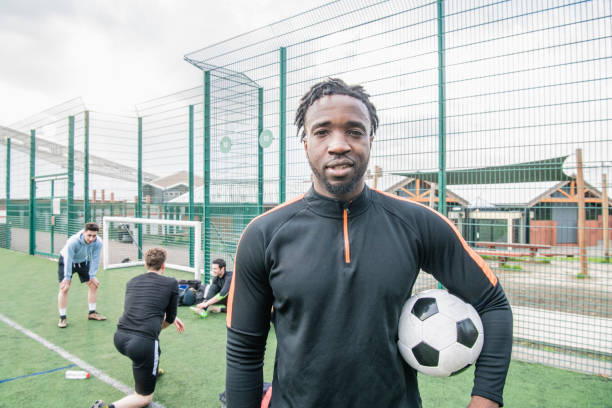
x,y
151,300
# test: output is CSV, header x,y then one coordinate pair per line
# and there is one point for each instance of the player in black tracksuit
x,y
337,272
151,301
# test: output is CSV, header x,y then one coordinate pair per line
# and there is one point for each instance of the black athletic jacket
x,y
148,297
338,275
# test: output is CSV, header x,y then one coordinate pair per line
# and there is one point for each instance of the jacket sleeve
x,y
225,289
448,257
95,260
68,260
248,322
172,304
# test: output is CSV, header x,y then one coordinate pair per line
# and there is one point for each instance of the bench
x,y
551,254
532,248
502,257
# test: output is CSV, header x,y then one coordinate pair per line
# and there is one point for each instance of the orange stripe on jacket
x,y
230,299
479,261
347,246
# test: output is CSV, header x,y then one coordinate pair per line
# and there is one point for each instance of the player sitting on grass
x,y
151,301
80,255
216,296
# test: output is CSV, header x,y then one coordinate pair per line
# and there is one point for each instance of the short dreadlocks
x,y
333,86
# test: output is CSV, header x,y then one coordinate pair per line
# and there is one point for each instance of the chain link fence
x,y
496,113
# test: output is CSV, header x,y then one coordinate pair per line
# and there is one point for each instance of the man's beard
x,y
342,188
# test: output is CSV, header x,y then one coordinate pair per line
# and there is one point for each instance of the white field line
x,y
87,367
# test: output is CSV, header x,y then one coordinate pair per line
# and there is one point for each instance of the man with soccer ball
x,y
80,255
353,253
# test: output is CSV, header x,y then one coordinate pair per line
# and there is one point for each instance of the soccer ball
x,y
439,334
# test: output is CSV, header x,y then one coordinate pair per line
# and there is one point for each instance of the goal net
x,y
126,239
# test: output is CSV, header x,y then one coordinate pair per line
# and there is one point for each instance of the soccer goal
x,y
127,238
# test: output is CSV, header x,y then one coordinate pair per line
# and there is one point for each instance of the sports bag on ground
x,y
188,291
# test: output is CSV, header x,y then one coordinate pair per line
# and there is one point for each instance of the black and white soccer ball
x,y
439,334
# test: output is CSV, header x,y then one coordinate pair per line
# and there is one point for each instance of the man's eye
x,y
320,132
355,132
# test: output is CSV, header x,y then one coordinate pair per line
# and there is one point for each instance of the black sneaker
x,y
99,404
62,323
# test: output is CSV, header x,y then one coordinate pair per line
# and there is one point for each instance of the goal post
x,y
119,237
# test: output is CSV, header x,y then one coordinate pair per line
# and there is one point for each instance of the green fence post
x,y
282,147
191,186
8,193
32,217
260,155
206,186
86,209
139,203
70,199
51,251
441,112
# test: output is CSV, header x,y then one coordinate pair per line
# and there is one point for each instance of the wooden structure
x,y
424,192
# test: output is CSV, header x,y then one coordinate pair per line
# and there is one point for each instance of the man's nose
x,y
338,143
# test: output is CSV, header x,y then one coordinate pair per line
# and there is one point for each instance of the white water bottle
x,y
77,374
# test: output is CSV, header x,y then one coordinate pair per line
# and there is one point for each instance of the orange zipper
x,y
347,247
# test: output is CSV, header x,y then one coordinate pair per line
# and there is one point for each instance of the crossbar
x,y
197,264
55,176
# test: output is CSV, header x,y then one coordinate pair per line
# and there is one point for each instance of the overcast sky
x,y
114,53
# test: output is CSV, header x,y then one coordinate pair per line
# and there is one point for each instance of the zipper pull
x,y
345,207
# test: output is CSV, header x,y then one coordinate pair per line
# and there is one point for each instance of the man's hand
x,y
180,327
201,306
482,402
93,283
65,284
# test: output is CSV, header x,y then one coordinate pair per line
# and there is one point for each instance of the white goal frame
x,y
197,261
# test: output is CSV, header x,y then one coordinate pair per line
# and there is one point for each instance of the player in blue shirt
x,y
80,255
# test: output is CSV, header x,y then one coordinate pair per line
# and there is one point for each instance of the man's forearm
x,y
494,359
212,301
244,374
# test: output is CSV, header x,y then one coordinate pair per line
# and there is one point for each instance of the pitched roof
x,y
175,179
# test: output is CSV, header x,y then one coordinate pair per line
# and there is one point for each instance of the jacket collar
x,y
328,207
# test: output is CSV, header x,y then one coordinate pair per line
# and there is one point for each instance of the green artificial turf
x,y
194,362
